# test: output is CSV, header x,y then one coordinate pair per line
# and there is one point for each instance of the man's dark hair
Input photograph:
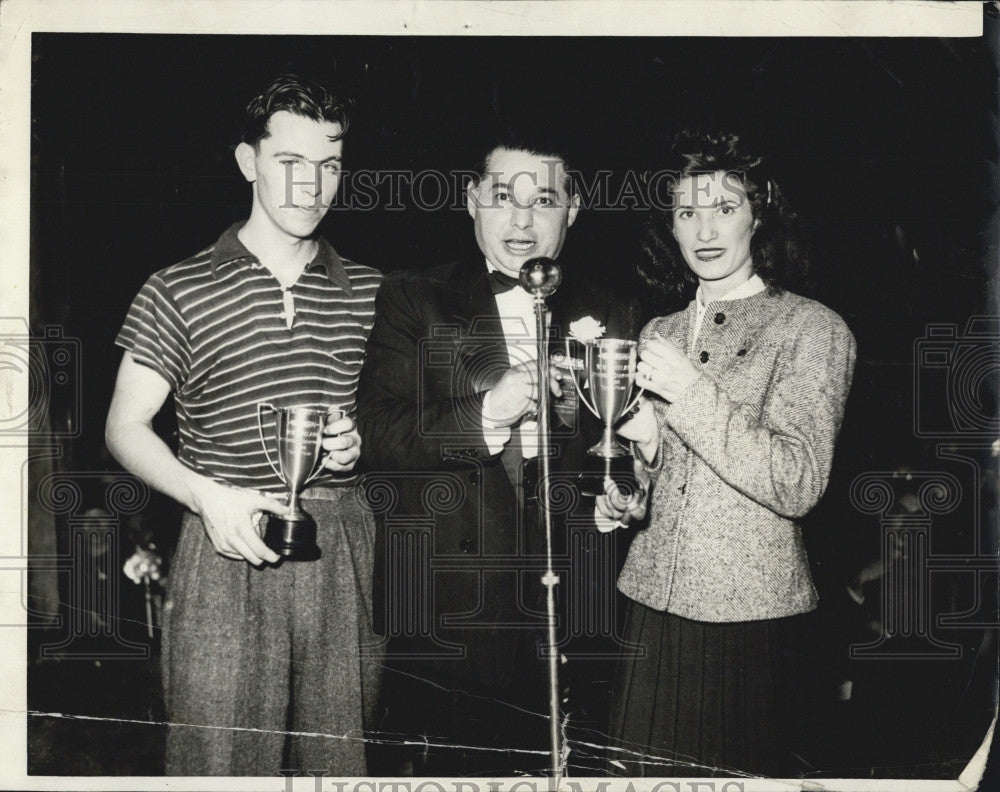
x,y
529,145
297,95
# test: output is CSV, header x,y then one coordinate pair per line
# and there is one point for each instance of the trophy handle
x,y
319,470
576,379
634,400
261,406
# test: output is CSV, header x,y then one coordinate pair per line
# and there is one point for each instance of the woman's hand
x,y
642,428
618,506
664,369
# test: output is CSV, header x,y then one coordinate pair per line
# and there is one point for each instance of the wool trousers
x,y
276,667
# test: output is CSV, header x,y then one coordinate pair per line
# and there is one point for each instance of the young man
x,y
254,649
445,410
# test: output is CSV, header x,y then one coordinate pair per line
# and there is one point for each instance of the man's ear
x,y
471,198
246,159
574,209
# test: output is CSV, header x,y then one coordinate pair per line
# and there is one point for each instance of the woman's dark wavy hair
x,y
778,252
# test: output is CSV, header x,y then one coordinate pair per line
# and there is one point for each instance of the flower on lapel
x,y
586,328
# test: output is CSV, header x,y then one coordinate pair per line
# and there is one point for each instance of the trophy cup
x,y
298,433
608,368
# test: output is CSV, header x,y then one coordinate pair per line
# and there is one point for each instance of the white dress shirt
x,y
517,319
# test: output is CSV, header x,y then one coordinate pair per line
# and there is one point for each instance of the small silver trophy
x,y
608,369
298,434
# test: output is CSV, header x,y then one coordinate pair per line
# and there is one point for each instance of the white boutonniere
x,y
586,328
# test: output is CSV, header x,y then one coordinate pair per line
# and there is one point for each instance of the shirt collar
x,y
491,267
751,286
230,248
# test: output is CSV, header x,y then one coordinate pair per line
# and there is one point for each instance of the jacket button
x,y
720,318
465,545
741,353
704,357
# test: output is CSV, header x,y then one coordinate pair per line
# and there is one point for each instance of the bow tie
x,y
501,282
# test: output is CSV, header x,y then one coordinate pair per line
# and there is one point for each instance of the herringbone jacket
x,y
744,451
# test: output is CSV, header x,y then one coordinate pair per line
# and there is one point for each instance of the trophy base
x,y
612,450
293,540
595,472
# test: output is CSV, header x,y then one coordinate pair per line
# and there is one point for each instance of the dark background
x,y
881,145
887,149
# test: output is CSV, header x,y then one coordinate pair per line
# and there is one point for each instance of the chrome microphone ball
x,y
540,276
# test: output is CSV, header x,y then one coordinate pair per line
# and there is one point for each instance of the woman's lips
x,y
709,254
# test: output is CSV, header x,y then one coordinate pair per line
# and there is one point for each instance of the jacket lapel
x,y
482,356
468,305
468,297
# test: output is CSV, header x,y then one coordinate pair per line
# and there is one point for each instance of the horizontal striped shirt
x,y
221,330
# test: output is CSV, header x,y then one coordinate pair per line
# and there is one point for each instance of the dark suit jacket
x,y
457,569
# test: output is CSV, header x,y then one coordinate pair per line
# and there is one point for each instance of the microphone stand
x,y
540,277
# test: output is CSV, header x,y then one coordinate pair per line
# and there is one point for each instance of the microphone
x,y
540,276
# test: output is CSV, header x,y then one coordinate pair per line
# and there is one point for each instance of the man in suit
x,y
446,409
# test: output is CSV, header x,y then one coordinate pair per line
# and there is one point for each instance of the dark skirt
x,y
704,699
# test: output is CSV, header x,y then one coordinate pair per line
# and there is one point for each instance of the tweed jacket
x,y
744,451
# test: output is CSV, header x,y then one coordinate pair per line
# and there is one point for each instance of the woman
x,y
746,394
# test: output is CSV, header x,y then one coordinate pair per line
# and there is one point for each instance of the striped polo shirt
x,y
216,328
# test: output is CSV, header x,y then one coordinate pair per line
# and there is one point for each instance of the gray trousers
x,y
277,667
